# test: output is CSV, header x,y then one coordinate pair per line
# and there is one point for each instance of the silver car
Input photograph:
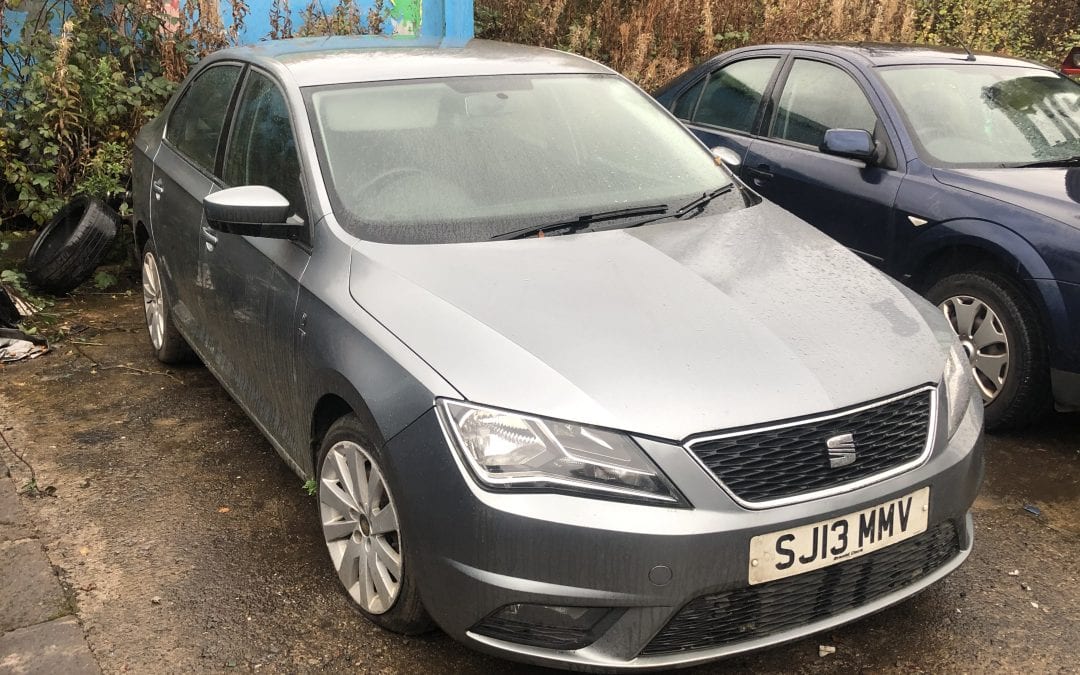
x,y
568,390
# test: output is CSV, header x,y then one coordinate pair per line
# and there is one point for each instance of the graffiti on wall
x,y
405,17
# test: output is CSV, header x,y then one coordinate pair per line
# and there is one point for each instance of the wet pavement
x,y
186,544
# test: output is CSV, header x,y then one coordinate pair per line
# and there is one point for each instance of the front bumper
x,y
475,551
1061,300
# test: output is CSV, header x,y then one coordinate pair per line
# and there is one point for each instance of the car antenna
x,y
970,56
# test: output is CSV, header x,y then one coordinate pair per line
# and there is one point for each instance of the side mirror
x,y
727,156
253,211
850,143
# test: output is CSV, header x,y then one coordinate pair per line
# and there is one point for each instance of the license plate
x,y
786,553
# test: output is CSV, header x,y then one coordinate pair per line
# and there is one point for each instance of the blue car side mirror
x,y
850,143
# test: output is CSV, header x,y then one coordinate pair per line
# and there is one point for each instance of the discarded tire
x,y
71,246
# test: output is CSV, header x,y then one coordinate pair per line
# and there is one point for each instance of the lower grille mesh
x,y
757,611
549,637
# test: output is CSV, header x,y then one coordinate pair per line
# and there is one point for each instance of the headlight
x,y
511,450
958,385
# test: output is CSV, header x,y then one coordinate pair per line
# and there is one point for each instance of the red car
x,y
1071,65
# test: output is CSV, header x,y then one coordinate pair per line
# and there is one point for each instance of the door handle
x,y
759,175
210,238
159,188
759,172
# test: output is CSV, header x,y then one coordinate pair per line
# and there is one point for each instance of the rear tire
x,y
362,541
1002,334
168,344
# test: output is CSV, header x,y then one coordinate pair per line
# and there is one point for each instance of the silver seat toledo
x,y
568,389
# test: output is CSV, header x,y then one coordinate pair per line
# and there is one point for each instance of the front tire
x,y
1003,338
363,532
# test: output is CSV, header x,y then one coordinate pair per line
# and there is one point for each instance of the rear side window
x,y
733,94
684,107
818,97
196,121
262,150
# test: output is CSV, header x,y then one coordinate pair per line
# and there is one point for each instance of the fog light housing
x,y
547,626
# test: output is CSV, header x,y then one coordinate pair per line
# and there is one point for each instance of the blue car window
x,y
262,150
684,106
195,123
986,114
818,97
733,94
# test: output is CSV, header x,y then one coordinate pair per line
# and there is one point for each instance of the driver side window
x,y
818,97
262,148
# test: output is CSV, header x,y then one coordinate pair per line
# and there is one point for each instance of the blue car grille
x,y
758,611
791,459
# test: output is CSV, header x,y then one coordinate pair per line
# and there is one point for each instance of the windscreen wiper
x,y
583,221
694,205
703,201
1065,161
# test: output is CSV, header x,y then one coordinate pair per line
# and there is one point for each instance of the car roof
x,y
896,54
335,60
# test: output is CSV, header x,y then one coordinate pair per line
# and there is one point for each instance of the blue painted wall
x,y
448,21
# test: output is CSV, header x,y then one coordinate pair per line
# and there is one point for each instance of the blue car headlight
x,y
508,450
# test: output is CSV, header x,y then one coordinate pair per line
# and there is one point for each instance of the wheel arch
x,y
969,245
142,235
979,245
337,399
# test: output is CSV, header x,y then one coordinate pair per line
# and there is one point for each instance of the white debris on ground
x,y
12,350
15,345
825,650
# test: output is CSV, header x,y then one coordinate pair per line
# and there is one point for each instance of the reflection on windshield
x,y
463,159
982,115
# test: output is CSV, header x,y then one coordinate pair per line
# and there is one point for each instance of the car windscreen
x,y
987,115
469,158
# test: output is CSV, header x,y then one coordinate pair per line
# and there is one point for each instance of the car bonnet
x,y
1053,192
665,330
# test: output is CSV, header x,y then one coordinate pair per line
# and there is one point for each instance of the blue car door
x,y
723,107
850,200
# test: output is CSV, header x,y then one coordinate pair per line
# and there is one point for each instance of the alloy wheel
x,y
984,341
152,300
360,526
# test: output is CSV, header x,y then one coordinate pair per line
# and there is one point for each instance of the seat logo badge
x,y
841,450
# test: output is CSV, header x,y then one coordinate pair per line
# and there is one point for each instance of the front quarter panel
x,y
346,353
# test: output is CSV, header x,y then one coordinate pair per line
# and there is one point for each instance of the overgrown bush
x,y
652,40
71,101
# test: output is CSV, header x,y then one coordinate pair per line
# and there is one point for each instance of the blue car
x,y
956,173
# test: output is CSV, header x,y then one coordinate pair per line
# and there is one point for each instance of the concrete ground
x,y
38,632
186,544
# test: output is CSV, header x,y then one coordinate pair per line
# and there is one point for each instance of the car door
x,y
182,176
848,199
723,109
251,283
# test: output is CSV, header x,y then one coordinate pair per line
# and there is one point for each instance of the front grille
x,y
757,611
792,459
